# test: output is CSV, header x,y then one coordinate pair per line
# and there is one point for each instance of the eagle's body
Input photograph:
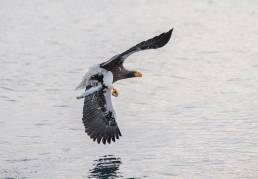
x,y
99,117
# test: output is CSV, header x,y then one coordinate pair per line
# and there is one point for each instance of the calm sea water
x,y
193,114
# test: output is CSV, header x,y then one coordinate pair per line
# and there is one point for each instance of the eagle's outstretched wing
x,y
99,117
153,43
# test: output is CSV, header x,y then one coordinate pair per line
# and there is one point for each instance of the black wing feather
x,y
99,122
153,43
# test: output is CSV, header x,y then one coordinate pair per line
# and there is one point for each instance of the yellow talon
x,y
114,92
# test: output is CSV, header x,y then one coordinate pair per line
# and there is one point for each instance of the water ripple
x,y
7,88
21,160
106,167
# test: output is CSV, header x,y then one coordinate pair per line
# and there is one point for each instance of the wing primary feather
x,y
104,140
117,134
99,139
113,134
109,135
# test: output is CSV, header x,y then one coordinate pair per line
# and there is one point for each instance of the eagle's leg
x,y
114,92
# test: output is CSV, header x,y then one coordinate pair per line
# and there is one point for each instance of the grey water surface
x,y
194,114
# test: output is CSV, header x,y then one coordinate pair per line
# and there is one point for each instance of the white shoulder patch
x,y
108,78
94,69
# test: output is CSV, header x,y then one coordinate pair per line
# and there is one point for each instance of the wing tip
x,y
169,34
162,39
171,30
106,137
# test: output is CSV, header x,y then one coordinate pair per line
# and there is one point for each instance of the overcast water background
x,y
193,114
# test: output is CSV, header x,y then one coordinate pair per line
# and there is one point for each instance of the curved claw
x,y
114,92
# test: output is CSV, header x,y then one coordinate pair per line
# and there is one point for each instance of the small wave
x,y
53,89
41,124
5,79
23,136
210,52
11,100
74,129
21,160
61,106
7,89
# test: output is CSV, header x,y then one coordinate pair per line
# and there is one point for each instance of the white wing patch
x,y
109,106
107,81
108,78
93,70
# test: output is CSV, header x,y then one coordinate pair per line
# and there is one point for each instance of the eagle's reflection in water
x,y
106,167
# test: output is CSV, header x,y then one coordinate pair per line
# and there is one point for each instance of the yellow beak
x,y
138,74
114,92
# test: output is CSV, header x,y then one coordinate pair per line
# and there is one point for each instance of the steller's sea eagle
x,y
99,117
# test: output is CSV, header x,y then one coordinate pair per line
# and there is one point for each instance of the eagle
x,y
99,117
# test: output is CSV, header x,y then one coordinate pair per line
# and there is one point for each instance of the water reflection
x,y
106,167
